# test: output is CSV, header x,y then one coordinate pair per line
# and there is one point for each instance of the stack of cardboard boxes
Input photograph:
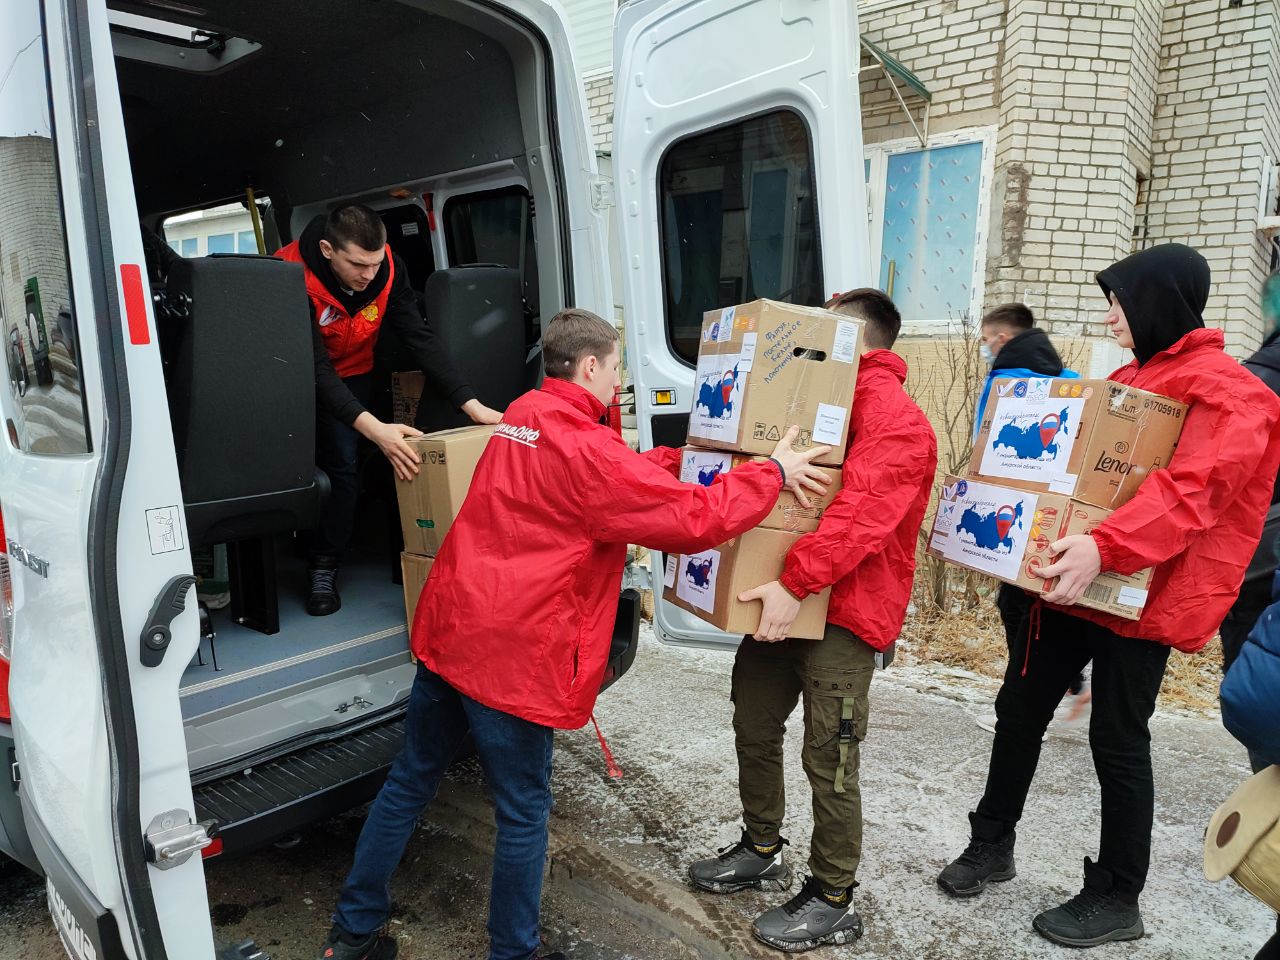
x,y
430,501
763,367
1054,457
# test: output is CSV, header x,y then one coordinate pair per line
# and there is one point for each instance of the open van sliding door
x,y
98,532
738,168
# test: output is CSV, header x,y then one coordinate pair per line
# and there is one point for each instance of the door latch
x,y
601,193
156,634
173,837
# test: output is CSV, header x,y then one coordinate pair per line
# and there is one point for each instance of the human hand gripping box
x,y
703,466
1006,533
1092,440
765,366
707,584
428,503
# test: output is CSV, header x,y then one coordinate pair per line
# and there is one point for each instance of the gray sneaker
x,y
739,867
808,920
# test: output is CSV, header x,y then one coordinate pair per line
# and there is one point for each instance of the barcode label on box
x,y
1098,592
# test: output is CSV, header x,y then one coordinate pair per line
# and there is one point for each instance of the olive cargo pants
x,y
832,676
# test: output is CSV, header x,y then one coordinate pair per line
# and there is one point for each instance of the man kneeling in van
x,y
513,628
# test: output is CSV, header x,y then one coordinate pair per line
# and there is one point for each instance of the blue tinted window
x,y
222,243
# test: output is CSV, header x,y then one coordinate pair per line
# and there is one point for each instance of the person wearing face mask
x,y
1197,522
1014,346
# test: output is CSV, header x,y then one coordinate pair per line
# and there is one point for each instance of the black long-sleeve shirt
x,y
402,315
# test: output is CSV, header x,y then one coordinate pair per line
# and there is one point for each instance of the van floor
x,y
368,629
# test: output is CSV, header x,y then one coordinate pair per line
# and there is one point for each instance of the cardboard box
x,y
703,466
707,584
1093,440
1005,532
430,501
765,366
406,391
414,571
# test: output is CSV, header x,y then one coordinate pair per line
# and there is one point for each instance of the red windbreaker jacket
x,y
1197,521
865,545
519,607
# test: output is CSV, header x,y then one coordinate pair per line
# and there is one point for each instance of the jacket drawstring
x,y
1033,631
611,765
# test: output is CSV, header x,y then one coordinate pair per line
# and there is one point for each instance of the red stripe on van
x,y
135,303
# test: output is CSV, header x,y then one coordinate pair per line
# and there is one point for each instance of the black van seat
x,y
479,312
241,383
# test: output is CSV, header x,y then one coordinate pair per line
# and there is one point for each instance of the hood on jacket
x,y
352,301
1163,291
1030,350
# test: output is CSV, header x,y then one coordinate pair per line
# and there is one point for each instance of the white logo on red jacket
x,y
329,315
526,435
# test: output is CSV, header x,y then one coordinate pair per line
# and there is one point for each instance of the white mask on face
x,y
987,356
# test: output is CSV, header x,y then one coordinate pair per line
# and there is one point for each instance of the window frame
x,y
878,154
471,196
777,163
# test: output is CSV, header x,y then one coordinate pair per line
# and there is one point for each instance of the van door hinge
x,y
601,193
173,837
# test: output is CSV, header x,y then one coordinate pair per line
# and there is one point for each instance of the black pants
x,y
337,450
1014,605
1255,596
1126,682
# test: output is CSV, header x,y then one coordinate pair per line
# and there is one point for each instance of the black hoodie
x,y
1163,291
1029,350
402,316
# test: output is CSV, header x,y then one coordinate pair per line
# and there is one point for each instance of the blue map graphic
x,y
707,475
982,527
1028,443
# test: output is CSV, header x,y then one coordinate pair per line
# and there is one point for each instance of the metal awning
x,y
895,72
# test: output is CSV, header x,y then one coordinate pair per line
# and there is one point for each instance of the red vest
x,y
349,340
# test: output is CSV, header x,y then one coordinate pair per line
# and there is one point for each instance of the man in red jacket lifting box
x,y
513,627
864,549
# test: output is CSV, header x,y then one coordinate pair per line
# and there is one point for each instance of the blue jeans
x,y
337,454
516,757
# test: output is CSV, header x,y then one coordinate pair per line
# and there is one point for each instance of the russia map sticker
x,y
988,528
718,398
703,466
696,579
1031,437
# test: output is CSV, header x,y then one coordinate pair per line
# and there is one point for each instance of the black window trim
x,y
511,189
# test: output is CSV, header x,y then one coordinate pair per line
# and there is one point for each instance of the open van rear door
x,y
92,512
739,175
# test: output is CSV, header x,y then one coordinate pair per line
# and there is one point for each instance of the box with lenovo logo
x,y
1006,532
707,584
703,466
765,366
1094,440
429,502
414,571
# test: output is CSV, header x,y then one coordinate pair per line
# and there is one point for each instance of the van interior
x,y
436,113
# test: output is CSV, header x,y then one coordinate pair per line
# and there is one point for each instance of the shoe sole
x,y
775,884
961,893
848,935
1136,932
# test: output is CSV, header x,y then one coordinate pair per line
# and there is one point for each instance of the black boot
x,y
345,946
983,862
323,599
1097,914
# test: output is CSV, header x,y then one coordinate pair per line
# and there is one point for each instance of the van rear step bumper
x,y
269,801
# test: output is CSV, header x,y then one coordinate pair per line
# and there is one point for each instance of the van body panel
x,y
687,70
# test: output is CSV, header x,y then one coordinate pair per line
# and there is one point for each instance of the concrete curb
x,y
659,906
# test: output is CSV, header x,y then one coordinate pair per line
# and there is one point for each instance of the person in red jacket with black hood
x,y
356,286
513,628
865,550
1197,523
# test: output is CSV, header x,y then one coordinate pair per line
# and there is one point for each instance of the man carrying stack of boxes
x,y
834,582
1131,507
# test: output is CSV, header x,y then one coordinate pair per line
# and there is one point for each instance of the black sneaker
x,y
739,867
1094,915
981,863
345,946
809,920
323,598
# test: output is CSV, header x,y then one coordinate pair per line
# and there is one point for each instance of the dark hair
x,y
354,223
1016,315
571,335
873,306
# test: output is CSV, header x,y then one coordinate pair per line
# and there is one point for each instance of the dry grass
x,y
973,640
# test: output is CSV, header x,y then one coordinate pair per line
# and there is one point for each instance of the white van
x,y
144,419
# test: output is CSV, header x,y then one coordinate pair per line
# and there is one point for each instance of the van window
x,y
223,228
41,345
739,222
